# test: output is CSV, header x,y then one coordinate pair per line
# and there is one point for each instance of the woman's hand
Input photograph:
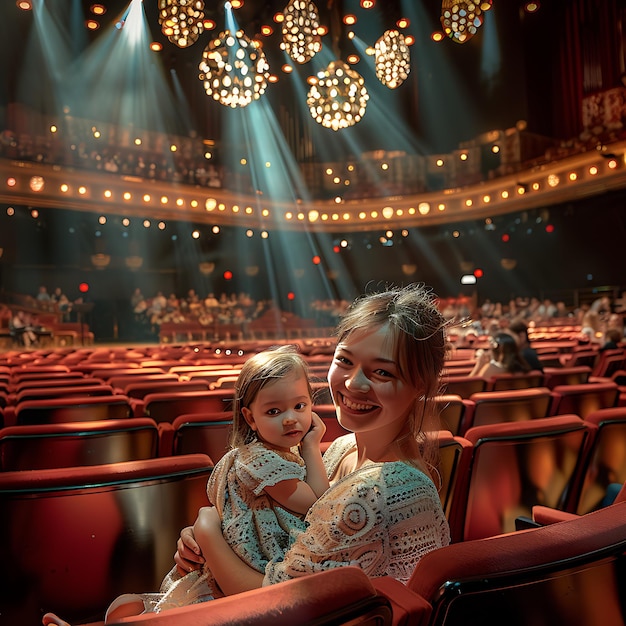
x,y
188,556
316,432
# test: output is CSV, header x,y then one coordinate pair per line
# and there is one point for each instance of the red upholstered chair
x,y
452,411
580,357
75,538
166,407
492,407
577,375
207,433
337,597
451,451
505,382
121,382
513,466
609,362
463,386
583,399
74,409
63,391
573,572
605,462
44,446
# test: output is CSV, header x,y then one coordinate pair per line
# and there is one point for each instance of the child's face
x,y
281,412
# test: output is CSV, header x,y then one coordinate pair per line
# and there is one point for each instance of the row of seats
x,y
486,475
571,572
73,540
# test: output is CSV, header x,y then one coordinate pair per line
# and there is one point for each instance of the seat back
x,y
463,386
573,572
75,538
74,409
337,597
609,362
451,450
504,382
77,444
577,375
141,389
206,433
514,466
583,399
515,405
165,407
605,462
55,391
452,409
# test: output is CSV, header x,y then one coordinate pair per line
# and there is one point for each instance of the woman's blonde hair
x,y
416,329
256,373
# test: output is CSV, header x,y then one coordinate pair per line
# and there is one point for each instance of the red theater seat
x,y
573,572
44,446
75,538
513,466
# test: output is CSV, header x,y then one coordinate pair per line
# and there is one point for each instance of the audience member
x,y
503,357
519,329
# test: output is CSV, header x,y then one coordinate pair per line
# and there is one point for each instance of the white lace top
x,y
383,518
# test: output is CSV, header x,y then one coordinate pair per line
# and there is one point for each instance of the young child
x,y
262,487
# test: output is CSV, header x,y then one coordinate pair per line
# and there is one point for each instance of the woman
x,y
382,511
503,358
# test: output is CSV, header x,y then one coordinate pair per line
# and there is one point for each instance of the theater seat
x,y
43,446
514,405
504,382
583,399
208,433
166,407
74,409
339,597
513,466
73,539
573,572
605,461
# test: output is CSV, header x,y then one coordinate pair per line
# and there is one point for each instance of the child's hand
x,y
316,432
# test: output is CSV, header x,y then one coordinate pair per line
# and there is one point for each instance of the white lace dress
x,y
383,517
253,524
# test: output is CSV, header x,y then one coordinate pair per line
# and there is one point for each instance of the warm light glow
x,y
156,46
339,98
25,5
437,36
98,9
234,83
403,22
181,22
300,37
349,19
92,24
392,59
368,4
460,19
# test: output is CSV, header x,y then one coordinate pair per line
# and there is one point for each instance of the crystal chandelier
x,y
392,59
338,97
301,40
461,19
234,69
181,20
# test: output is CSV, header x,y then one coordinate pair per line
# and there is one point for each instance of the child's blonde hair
x,y
256,373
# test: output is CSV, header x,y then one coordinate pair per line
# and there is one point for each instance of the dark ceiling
x,y
453,93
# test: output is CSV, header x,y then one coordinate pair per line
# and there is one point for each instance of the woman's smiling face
x,y
367,385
